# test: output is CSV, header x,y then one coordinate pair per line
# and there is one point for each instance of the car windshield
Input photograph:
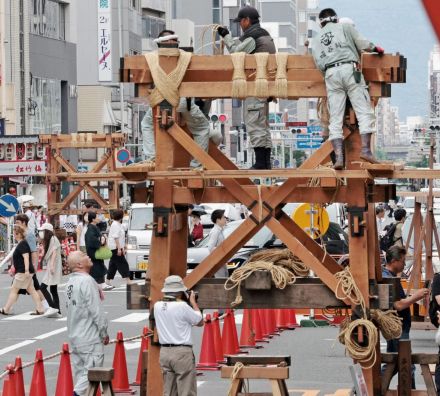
x,y
259,239
140,217
409,203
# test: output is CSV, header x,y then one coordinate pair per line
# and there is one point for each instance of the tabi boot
x,y
268,158
338,148
366,153
260,158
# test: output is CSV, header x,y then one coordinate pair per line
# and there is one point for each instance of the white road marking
x,y
51,333
238,318
15,346
132,345
23,316
200,383
132,318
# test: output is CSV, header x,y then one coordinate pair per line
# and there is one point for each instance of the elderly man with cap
x,y
174,319
336,51
193,115
256,117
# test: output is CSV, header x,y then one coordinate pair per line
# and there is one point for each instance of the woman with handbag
x,y
94,241
24,269
116,243
54,269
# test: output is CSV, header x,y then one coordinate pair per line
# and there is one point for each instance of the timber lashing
x,y
211,77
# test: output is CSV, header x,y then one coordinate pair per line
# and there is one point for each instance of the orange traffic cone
x,y
38,383
230,346
65,380
263,321
217,338
280,319
120,380
256,325
19,382
208,358
234,328
9,383
271,324
247,336
291,320
144,347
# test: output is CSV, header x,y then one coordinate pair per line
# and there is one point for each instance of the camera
x,y
188,293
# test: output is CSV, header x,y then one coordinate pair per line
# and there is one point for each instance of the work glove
x,y
379,50
222,31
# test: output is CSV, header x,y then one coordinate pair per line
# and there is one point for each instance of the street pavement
x,y
319,365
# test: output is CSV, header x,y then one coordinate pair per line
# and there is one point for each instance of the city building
x,y
434,82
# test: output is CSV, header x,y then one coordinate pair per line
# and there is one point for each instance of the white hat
x,y
46,226
166,38
173,284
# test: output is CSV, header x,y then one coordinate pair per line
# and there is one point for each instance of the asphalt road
x,y
319,363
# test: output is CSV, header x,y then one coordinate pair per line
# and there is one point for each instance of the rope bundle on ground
x,y
239,85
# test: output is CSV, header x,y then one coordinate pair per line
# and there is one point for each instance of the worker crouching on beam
x,y
336,51
192,113
253,40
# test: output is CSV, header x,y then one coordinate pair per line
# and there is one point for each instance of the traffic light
x,y
298,130
221,118
435,128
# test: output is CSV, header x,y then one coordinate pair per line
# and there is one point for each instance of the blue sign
x,y
123,156
308,142
8,205
314,128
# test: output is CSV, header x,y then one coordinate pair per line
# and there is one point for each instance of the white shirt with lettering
x,y
174,320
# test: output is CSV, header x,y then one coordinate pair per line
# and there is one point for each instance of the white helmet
x,y
347,21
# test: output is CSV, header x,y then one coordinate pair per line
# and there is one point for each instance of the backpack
x,y
433,305
388,239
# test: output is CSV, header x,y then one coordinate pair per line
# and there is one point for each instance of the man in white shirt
x,y
380,219
216,238
174,319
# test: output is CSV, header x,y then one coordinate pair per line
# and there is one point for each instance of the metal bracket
x,y
160,221
169,122
357,222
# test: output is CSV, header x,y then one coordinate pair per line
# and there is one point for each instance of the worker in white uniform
x,y
174,316
336,51
192,114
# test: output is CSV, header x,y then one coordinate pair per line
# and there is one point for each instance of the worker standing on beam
x,y
336,51
256,117
194,117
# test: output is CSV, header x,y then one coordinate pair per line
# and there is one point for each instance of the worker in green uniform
x,y
336,51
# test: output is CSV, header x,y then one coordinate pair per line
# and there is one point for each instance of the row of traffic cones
x,y
257,326
13,384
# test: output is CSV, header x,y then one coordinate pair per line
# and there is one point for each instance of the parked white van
x,y
140,229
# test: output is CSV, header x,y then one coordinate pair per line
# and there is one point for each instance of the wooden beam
x,y
257,372
404,365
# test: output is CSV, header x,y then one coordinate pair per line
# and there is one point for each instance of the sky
x,y
398,26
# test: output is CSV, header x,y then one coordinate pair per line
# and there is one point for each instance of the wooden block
x,y
257,372
196,183
100,374
258,280
137,296
259,359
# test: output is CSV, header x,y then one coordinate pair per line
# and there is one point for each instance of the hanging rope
x,y
234,375
261,84
281,76
347,288
213,29
239,85
283,257
316,181
390,323
281,277
167,85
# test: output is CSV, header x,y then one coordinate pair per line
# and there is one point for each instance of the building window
x,y
46,97
216,12
302,16
313,18
48,19
234,28
310,33
152,26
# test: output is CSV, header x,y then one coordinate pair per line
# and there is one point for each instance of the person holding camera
x,y
175,315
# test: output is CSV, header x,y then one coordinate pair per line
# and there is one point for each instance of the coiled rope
x,y
390,323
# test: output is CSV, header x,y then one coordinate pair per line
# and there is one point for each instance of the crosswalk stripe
x,y
51,333
200,383
132,318
23,316
15,346
132,345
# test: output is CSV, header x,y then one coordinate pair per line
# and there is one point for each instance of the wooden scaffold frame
x,y
174,189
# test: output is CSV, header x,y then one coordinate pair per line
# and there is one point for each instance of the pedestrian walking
x,y
24,269
336,51
116,243
81,230
54,268
254,39
216,238
174,316
86,322
94,241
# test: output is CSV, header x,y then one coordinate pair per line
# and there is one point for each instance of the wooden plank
x,y
304,293
388,375
404,365
379,193
429,383
89,177
257,372
260,359
416,358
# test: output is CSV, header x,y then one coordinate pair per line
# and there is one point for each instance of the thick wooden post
x,y
169,241
404,366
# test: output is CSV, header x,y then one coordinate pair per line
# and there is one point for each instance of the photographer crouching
x,y
174,315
